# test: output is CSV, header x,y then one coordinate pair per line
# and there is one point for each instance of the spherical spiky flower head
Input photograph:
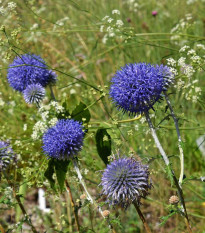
x,y
137,87
34,93
29,69
124,181
6,155
64,140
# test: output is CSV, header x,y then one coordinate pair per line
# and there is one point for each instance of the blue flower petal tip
x,y
34,93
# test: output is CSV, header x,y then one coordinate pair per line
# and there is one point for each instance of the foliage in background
x,y
85,42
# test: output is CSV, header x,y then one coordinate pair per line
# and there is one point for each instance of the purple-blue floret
x,y
34,93
6,155
64,140
124,181
29,69
137,87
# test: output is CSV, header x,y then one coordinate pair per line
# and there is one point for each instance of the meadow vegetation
x,y
85,42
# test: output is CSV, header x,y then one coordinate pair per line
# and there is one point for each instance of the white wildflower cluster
x,y
171,62
181,28
189,2
116,12
34,34
38,129
57,106
186,67
60,23
48,118
200,46
6,9
111,26
53,121
11,6
2,10
133,5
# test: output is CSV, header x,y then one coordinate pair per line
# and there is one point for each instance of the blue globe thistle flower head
x,y
124,181
64,140
6,155
29,69
34,93
137,87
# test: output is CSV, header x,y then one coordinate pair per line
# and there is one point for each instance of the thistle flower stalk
x,y
179,139
167,162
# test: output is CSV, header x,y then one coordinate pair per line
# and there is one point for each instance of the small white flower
x,y
111,34
196,59
142,120
24,127
53,121
117,12
11,6
171,62
45,115
197,89
101,28
200,46
110,29
173,71
106,17
136,127
185,47
2,10
181,61
188,70
191,52
34,26
119,23
110,20
104,39
72,91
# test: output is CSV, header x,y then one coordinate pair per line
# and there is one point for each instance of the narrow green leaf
x,y
103,143
49,173
81,112
61,168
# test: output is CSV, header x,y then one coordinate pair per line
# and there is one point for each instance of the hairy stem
x,y
89,197
157,142
166,160
146,226
179,139
73,205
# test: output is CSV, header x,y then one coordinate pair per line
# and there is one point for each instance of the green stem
x,y
73,205
167,162
179,139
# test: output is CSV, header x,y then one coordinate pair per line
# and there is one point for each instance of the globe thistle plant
x,y
137,87
64,140
34,93
6,155
29,69
124,181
